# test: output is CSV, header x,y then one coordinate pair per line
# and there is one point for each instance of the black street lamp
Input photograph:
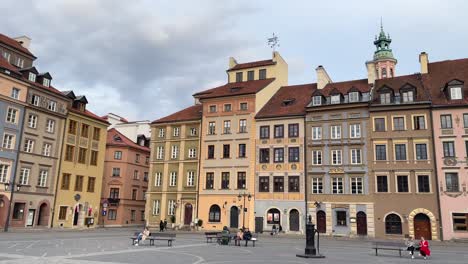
x,y
244,209
10,187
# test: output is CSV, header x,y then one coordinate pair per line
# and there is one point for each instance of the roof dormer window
x,y
46,82
238,76
335,99
317,100
235,89
455,93
289,101
385,98
408,96
353,97
32,77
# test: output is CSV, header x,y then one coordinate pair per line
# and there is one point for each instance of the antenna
x,y
273,42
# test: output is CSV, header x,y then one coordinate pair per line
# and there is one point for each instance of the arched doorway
x,y
294,220
76,214
321,222
43,217
361,222
188,214
234,219
422,226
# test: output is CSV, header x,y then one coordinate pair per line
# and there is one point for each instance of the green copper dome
x,y
382,44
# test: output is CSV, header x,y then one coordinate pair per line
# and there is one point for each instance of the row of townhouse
x,y
52,148
381,157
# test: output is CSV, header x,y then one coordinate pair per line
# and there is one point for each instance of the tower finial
x,y
381,24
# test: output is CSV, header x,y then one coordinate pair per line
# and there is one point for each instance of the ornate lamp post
x,y
244,209
10,186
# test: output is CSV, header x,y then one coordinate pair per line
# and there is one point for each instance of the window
x,y
393,224
18,211
32,77
112,215
157,179
278,154
46,149
211,151
278,184
212,108
161,133
335,99
341,218
227,108
52,106
238,76
262,74
465,120
79,183
145,176
84,130
12,115
94,158
293,184
419,122
171,207
335,132
316,157
225,180
226,151
242,150
32,121
69,153
293,155
353,97
398,123
173,179
460,221
316,133
243,126
356,156
449,149
421,152
91,184
15,92
50,126
190,178
209,180
293,130
356,185
29,145
402,183
241,180
35,100
227,127
400,152
407,96
317,185
156,207
456,93
451,182
63,212
424,184
215,214
6,56
72,127
24,176
264,155
82,155
136,175
337,185
380,152
118,155
160,152
243,106
8,141
174,151
264,132
250,75
46,82
114,193
355,131
96,133
176,131
211,128
65,181
279,131
4,173
134,194
317,100
446,121
385,98
382,183
336,157
379,124
115,172
264,185
273,217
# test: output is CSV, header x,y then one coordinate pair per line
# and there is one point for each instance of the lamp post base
x,y
309,256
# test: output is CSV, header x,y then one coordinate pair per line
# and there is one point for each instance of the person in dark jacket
x,y
161,226
165,224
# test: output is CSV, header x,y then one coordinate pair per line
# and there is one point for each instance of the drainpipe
x,y
305,170
436,176
58,172
199,164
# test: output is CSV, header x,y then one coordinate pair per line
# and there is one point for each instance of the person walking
x,y
410,246
274,230
161,226
165,224
424,248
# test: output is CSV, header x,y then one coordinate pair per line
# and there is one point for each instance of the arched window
x,y
393,224
273,216
384,73
215,214
391,72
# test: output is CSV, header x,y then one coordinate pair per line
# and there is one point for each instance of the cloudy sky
x,y
144,59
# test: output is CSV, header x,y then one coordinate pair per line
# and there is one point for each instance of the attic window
x,y
289,101
235,89
317,100
117,138
353,97
408,96
46,82
455,93
335,99
32,77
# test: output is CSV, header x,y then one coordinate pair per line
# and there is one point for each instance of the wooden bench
x,y
395,246
253,240
210,235
156,236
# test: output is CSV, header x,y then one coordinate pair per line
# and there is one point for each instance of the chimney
x,y
424,60
232,62
371,73
24,41
322,77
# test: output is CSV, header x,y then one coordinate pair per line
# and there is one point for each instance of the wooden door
x,y
188,214
321,222
361,222
234,220
422,227
294,220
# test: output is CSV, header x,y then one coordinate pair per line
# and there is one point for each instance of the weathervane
x,y
273,42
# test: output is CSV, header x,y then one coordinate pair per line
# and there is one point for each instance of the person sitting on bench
x,y
142,236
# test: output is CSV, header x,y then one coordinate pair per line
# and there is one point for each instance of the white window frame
x,y
336,157
355,131
157,179
15,93
8,141
24,176
317,157
42,181
227,127
193,131
160,152
4,172
354,156
335,132
47,149
192,153
243,126
316,183
46,82
191,178
316,133
212,128
317,100
335,99
6,56
50,126
52,105
171,207
407,96
32,77
161,132
29,145
36,99
173,179
174,151
356,180
156,207
456,93
337,180
353,97
32,121
12,115
176,131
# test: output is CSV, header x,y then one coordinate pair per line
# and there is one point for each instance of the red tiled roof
x,y
190,113
396,83
235,88
345,87
298,96
442,72
14,44
113,133
5,64
90,115
253,64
